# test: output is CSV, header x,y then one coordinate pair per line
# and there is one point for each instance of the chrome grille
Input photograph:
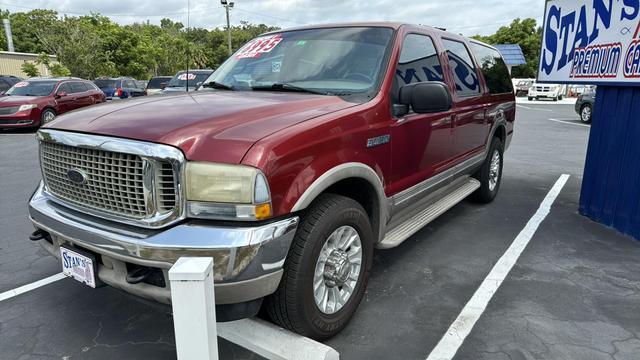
x,y
165,187
114,181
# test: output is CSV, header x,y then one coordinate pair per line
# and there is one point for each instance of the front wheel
x,y
326,271
490,174
530,98
586,113
47,116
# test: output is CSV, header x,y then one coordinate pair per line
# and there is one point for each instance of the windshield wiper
x,y
289,87
217,85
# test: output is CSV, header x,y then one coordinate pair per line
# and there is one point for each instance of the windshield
x,y
105,83
181,78
32,88
339,61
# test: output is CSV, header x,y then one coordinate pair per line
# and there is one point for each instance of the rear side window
x,y
494,69
4,86
464,72
91,86
78,87
105,83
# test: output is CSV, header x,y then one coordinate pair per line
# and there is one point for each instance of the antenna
x,y
188,44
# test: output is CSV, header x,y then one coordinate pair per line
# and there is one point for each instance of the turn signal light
x,y
263,211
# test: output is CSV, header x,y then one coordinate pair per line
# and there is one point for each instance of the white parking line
x,y
531,108
461,327
34,285
569,122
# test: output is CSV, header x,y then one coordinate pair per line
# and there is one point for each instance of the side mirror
x,y
60,94
426,97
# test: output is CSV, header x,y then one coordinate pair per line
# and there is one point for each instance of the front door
x,y
421,143
65,103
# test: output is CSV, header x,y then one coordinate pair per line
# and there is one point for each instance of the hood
x,y
178,88
19,100
217,126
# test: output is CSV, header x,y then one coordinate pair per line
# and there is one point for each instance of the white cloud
x,y
462,16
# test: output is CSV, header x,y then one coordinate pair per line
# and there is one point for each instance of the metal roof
x,y
512,54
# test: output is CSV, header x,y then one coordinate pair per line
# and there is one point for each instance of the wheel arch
x,y
357,181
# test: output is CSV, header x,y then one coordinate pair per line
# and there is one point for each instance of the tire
x,y
586,112
490,184
530,98
47,116
560,97
555,98
294,305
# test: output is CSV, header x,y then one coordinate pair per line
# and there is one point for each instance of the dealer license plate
x,y
78,266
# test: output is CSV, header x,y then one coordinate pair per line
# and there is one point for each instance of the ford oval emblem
x,y
77,176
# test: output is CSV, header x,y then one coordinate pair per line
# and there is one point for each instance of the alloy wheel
x,y
337,270
494,170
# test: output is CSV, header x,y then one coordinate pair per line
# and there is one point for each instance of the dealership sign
x,y
591,41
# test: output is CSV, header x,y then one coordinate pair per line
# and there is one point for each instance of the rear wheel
x,y
490,174
326,271
47,116
586,113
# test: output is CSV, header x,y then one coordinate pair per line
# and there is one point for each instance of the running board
x,y
403,231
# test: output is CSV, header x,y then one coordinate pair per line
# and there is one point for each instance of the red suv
x,y
37,101
303,152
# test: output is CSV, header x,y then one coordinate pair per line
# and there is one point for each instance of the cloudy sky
x,y
468,17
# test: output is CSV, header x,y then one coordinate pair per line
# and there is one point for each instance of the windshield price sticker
x,y
259,46
21,84
185,77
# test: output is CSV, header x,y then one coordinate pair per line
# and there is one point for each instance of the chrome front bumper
x,y
247,260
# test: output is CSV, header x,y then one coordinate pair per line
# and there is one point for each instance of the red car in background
x,y
37,101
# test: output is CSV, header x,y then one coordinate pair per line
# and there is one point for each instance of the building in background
x,y
512,54
10,63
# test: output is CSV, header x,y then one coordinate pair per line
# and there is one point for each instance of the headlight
x,y
227,192
27,107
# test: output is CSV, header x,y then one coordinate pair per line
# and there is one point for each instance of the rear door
x,y
421,143
499,100
469,123
81,93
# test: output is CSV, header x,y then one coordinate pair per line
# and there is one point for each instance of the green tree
x,y
525,33
93,45
30,69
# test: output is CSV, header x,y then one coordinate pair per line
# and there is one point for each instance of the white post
x,y
194,312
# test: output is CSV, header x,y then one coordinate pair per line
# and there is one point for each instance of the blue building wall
x,y
611,183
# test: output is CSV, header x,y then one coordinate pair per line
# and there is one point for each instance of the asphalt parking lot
x,y
573,294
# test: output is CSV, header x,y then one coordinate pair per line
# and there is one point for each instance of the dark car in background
x,y
584,105
157,84
119,88
190,78
37,101
7,81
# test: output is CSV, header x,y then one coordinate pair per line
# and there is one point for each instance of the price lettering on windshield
x,y
259,46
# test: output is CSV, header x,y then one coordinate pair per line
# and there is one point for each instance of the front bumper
x,y
17,120
248,261
543,94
